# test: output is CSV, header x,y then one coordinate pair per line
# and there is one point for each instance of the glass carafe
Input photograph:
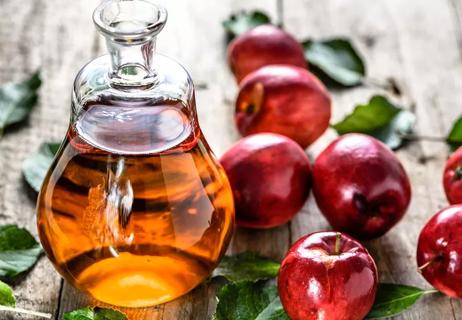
x,y
135,210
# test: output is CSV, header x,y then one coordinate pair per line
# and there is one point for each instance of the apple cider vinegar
x,y
135,210
135,228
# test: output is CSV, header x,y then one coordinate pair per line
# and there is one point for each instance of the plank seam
x,y
58,308
452,309
95,49
291,240
280,12
457,12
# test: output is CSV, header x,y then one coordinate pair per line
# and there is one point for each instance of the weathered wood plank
x,y
398,40
36,34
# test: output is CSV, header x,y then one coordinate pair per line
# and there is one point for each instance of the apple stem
x,y
250,108
425,265
338,243
428,263
458,173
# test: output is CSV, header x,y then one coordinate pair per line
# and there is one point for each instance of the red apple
x,y
439,251
271,178
327,275
262,46
452,177
360,186
283,99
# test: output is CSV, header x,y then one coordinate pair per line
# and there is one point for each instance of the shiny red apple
x,y
262,46
360,186
452,177
327,275
439,251
283,99
271,178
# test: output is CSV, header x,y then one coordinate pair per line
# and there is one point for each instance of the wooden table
x,y
418,43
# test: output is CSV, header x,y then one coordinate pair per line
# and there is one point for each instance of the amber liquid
x,y
135,210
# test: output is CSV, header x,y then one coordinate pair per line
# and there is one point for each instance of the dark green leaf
x,y
80,314
274,311
17,100
335,59
249,301
454,138
18,250
108,314
95,314
380,119
247,266
244,21
35,168
369,117
393,299
395,132
6,295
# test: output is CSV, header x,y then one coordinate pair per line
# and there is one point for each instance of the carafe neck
x,y
130,28
132,64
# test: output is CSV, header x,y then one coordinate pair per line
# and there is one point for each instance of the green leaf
x,y
80,314
17,100
378,113
18,250
380,119
394,134
249,301
108,314
454,138
6,295
393,299
96,313
246,266
35,168
244,21
274,311
335,60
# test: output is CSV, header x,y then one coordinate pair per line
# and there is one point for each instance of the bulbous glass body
x,y
135,210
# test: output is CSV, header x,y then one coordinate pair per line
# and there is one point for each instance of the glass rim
x,y
152,28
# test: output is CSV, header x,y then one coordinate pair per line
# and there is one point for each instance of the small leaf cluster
x,y
251,294
17,101
95,313
338,63
248,295
19,251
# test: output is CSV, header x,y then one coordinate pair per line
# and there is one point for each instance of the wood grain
x,y
37,35
398,40
418,43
